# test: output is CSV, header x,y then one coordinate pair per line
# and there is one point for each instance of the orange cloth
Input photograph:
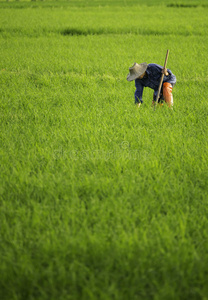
x,y
167,93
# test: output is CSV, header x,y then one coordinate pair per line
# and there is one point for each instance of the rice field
x,y
99,199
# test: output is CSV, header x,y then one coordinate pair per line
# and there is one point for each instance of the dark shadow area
x,y
103,31
121,31
182,5
75,31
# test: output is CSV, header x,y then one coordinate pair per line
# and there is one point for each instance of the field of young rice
x,y
99,199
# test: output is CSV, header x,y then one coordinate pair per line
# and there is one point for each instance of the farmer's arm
x,y
165,71
171,78
138,92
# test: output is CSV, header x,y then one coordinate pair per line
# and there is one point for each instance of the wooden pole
x,y
161,80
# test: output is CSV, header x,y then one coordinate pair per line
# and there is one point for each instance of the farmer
x,y
149,75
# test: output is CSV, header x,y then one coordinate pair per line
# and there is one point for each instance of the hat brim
x,y
132,77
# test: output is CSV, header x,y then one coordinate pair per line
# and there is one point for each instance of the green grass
x,y
99,200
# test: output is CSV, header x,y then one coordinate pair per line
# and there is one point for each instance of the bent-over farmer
x,y
149,75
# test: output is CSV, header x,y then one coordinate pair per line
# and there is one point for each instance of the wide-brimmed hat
x,y
136,70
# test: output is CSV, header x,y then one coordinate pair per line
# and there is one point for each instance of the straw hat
x,y
136,70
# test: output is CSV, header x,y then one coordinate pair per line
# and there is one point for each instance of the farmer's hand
x,y
165,72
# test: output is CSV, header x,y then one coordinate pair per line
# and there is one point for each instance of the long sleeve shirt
x,y
152,80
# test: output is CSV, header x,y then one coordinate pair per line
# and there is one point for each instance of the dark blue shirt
x,y
152,80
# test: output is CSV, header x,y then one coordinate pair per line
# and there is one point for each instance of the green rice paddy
x,y
99,199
